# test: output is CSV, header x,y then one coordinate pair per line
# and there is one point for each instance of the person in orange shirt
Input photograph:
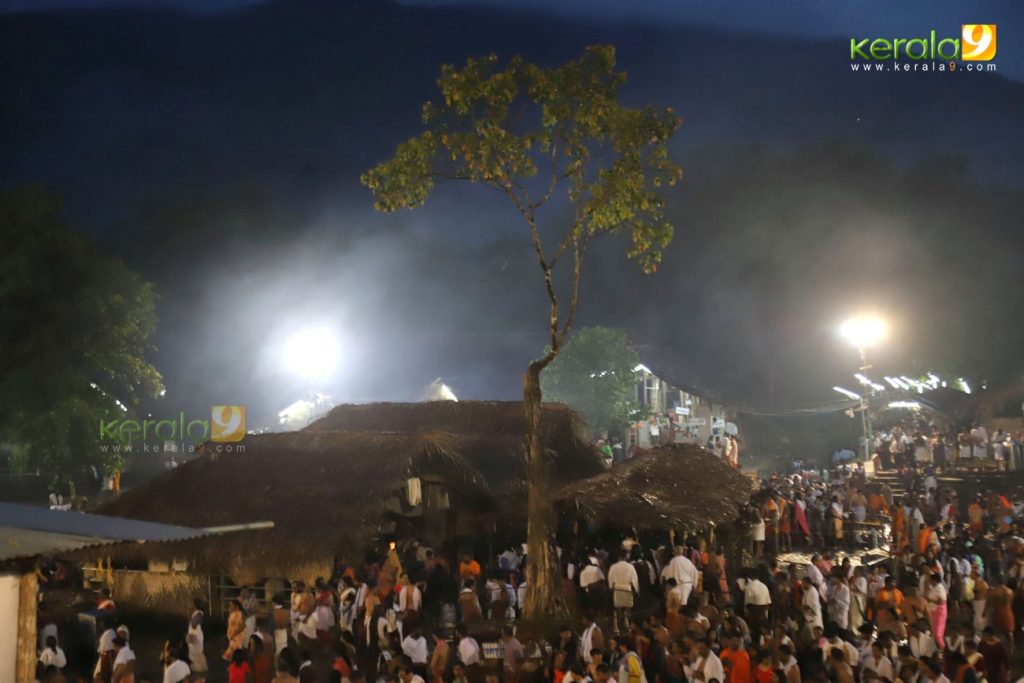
x,y
899,533
736,661
877,504
976,516
889,607
927,538
469,568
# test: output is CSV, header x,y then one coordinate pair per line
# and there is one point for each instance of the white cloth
x,y
54,657
756,593
623,575
469,651
881,668
922,645
850,653
196,640
124,656
415,649
106,643
711,666
814,574
682,570
410,597
590,574
176,672
587,643
812,602
839,606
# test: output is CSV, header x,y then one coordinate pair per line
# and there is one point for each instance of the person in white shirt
x,y
406,675
757,600
877,666
815,575
850,654
52,655
591,639
920,640
415,647
124,661
591,573
812,604
624,584
839,604
931,671
176,670
683,571
707,667
858,599
469,649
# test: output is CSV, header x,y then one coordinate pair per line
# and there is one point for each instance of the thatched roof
x,y
325,492
671,486
491,433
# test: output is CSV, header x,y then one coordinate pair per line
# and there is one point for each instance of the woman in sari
x,y
236,630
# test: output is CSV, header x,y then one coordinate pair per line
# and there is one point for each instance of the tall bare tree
x,y
544,138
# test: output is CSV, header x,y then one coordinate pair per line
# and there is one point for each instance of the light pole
x,y
864,332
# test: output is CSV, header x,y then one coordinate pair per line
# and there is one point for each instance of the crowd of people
x,y
827,578
919,445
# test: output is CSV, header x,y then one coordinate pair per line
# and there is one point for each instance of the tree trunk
x,y
540,566
28,600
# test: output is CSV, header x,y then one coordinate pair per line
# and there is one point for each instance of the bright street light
x,y
864,331
847,393
312,353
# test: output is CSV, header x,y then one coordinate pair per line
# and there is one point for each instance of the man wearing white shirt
x,y
469,653
811,604
815,575
406,675
921,642
176,670
124,661
877,666
415,648
708,666
683,571
839,604
757,600
591,639
624,584
52,655
850,653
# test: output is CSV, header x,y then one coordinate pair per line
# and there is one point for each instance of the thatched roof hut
x,y
491,433
327,494
672,486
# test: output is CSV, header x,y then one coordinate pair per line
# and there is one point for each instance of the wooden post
x,y
28,596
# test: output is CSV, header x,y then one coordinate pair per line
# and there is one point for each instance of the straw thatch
x,y
327,493
671,486
491,433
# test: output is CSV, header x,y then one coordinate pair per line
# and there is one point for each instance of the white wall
x,y
8,626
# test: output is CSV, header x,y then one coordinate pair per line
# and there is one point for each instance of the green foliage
x,y
529,131
76,327
594,375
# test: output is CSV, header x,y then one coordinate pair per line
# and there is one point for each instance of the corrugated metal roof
x,y
16,543
27,531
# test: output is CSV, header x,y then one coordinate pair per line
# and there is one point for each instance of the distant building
x,y
681,411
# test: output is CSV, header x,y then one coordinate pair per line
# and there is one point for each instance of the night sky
x,y
217,150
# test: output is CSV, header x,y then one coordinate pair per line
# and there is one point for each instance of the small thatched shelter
x,y
329,494
670,487
491,434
